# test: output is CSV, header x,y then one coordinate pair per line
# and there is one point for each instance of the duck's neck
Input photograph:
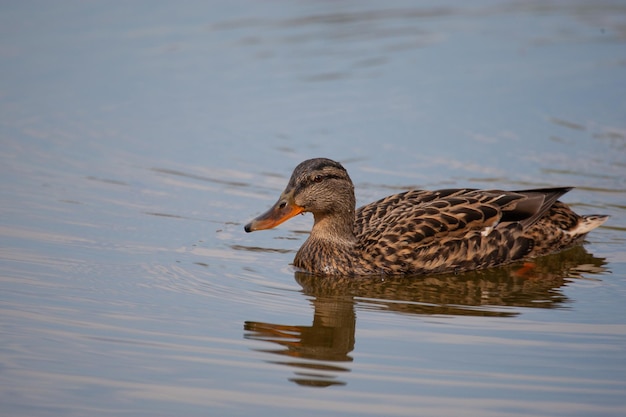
x,y
334,229
330,247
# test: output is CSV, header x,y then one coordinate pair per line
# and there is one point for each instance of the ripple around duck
x,y
261,249
227,281
205,178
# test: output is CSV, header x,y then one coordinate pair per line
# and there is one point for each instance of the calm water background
x,y
138,137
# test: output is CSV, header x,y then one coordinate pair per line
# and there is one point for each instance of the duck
x,y
417,231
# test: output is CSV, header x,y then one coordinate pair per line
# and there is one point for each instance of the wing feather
x,y
418,217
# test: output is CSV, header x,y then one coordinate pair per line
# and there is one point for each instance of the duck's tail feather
x,y
587,223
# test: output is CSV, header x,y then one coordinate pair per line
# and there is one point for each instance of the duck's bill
x,y
273,217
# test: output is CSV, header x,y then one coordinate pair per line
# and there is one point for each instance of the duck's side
x,y
456,230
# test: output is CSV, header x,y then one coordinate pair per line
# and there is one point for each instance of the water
x,y
138,139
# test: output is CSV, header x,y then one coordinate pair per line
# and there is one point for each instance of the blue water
x,y
138,139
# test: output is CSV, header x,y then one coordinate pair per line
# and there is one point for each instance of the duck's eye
x,y
282,205
318,178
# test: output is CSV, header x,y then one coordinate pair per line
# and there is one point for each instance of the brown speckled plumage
x,y
419,231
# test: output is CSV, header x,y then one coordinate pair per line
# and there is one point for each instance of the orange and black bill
x,y
281,211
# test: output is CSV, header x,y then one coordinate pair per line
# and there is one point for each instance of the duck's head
x,y
320,186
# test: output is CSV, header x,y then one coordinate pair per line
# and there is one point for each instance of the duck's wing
x,y
533,206
418,217
450,230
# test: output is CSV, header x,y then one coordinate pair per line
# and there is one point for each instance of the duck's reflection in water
x,y
316,349
328,340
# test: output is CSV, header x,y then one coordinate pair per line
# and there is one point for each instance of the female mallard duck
x,y
418,231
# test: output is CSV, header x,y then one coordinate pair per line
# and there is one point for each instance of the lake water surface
x,y
139,137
